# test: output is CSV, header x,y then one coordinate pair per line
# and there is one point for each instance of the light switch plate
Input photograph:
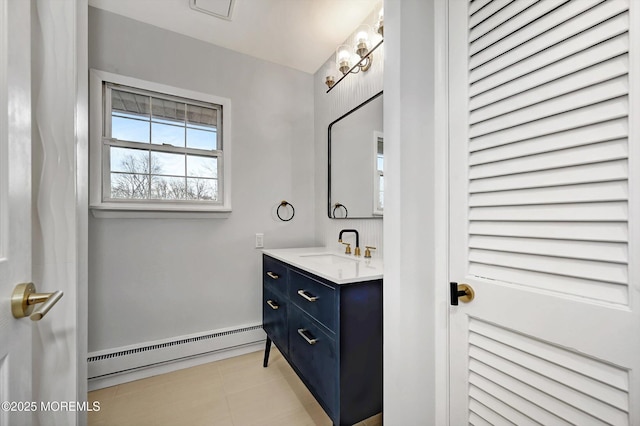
x,y
259,240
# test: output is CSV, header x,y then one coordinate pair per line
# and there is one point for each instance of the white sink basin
x,y
328,258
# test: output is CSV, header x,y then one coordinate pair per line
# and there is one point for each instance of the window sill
x,y
126,212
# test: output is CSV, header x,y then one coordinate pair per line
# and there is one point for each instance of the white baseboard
x,y
125,364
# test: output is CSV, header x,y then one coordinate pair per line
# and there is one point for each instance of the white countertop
x,y
332,265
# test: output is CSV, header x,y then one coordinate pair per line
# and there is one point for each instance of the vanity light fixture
x,y
359,57
379,25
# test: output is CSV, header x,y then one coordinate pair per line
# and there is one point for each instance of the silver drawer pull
x,y
272,275
273,305
306,296
302,331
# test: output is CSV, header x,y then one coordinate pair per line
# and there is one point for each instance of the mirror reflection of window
x,y
378,207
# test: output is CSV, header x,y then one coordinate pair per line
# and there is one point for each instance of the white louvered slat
x,y
557,284
476,5
607,155
604,111
585,135
598,271
505,411
552,404
584,193
545,108
509,20
565,49
611,171
603,372
578,231
552,388
599,251
599,76
490,49
476,420
540,106
577,382
606,212
604,412
487,413
605,57
516,401
487,11
483,64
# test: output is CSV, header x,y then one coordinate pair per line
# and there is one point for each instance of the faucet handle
x,y
367,251
348,249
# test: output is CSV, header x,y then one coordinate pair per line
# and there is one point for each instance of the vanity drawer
x,y
274,319
274,274
313,297
314,353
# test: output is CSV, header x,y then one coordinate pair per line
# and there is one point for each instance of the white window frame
x,y
377,210
99,165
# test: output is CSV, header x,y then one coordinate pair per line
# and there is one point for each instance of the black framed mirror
x,y
356,162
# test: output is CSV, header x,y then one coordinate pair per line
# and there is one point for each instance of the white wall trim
x,y
114,213
634,186
441,210
82,198
4,169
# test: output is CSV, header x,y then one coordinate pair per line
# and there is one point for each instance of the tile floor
x,y
232,392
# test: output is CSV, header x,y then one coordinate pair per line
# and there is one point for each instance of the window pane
x,y
198,166
133,104
202,117
186,172
128,129
202,189
202,139
166,134
168,112
381,192
168,188
164,163
129,160
129,185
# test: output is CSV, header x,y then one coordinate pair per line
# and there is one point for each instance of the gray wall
x,y
157,278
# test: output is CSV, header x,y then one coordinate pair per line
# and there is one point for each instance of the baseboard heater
x,y
148,354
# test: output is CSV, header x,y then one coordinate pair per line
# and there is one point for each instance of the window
x,y
157,147
378,187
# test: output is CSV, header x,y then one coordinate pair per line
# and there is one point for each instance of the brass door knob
x,y
24,298
464,292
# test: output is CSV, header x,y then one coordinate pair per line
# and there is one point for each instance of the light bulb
x,y
379,26
343,58
362,38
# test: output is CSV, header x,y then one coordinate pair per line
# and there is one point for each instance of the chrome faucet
x,y
357,249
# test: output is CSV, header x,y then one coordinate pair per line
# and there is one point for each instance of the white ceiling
x,y
300,34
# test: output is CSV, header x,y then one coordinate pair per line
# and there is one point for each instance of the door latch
x,y
464,292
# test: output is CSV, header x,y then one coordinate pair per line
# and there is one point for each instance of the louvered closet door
x,y
545,195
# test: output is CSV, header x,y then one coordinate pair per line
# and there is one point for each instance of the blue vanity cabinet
x,y
274,303
334,340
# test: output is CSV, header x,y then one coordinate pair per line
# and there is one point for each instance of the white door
x,y
15,209
545,211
